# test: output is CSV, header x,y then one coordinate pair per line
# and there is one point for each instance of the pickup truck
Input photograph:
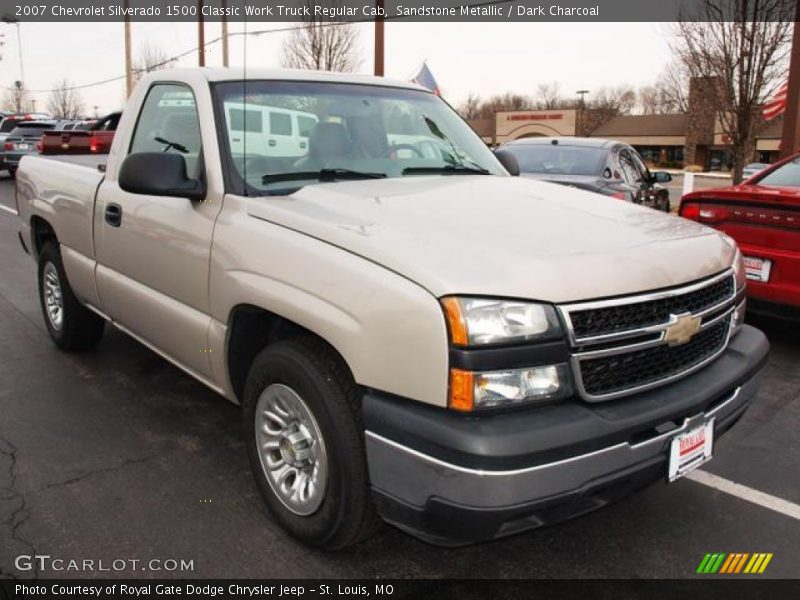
x,y
95,140
414,334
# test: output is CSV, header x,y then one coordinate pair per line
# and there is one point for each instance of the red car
x,y
763,215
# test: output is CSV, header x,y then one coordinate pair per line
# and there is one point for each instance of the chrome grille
x,y
625,345
611,319
609,374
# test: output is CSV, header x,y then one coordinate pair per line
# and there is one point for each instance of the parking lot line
x,y
746,493
7,209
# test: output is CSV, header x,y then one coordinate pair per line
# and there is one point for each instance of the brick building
x,y
672,141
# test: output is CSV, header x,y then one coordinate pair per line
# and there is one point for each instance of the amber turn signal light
x,y
455,320
462,390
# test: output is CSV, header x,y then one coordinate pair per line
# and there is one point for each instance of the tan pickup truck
x,y
413,333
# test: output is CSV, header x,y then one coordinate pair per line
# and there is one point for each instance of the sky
x,y
484,58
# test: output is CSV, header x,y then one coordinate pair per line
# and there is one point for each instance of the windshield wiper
x,y
324,175
447,170
169,145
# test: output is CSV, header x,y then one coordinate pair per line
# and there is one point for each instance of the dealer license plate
x,y
757,269
690,449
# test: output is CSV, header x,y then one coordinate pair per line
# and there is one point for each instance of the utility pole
x,y
224,35
379,38
128,63
201,35
790,140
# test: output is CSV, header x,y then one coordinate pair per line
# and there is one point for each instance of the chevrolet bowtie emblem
x,y
682,330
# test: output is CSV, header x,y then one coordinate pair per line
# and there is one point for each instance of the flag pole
x,y
790,140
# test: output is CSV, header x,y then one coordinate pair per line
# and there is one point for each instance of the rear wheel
x,y
305,443
12,171
71,326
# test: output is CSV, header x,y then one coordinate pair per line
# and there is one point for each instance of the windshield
x,y
558,159
285,135
787,175
30,130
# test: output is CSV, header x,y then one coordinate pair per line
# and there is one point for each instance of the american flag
x,y
426,79
777,104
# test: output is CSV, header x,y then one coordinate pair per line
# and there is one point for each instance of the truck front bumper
x,y
450,478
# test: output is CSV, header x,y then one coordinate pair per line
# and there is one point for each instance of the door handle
x,y
113,214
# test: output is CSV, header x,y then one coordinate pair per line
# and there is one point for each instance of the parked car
x,y
763,216
24,139
80,139
427,338
9,122
753,169
601,166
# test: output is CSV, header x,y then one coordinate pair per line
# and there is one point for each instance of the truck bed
x,y
62,190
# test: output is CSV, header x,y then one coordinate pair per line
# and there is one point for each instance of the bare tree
x,y
150,58
616,100
65,102
16,99
648,100
744,44
673,88
505,102
470,107
548,96
322,45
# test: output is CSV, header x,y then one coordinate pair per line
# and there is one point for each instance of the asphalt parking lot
x,y
117,454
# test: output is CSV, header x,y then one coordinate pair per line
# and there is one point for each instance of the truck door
x,y
153,252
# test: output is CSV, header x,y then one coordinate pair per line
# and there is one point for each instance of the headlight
x,y
739,271
474,391
481,322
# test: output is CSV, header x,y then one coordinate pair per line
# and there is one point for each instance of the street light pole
x,y
19,48
12,21
582,93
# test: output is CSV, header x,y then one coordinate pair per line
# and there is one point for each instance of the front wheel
x,y
305,442
71,326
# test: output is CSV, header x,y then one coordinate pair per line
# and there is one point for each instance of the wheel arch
x,y
41,232
250,330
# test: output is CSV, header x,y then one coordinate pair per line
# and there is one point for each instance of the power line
x,y
177,57
234,34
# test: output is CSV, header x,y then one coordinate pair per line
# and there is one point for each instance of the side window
x,y
640,166
630,172
250,121
280,123
305,125
168,122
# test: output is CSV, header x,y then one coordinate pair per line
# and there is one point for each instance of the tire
x,y
339,510
73,327
12,172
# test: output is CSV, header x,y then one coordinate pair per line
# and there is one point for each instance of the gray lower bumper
x,y
443,495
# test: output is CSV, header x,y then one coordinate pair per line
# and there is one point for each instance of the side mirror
x,y
660,177
159,174
509,161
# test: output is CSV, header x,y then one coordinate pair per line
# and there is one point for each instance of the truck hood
x,y
503,236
